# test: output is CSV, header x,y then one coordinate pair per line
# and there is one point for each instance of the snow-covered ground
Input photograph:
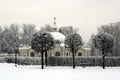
x,y
10,72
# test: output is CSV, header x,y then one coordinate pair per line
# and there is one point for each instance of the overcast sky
x,y
87,15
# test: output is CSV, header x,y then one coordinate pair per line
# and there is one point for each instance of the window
x,y
32,54
79,54
67,54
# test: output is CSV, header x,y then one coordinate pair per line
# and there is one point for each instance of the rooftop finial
x,y
54,21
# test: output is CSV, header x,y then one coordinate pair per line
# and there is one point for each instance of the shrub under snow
x,y
64,61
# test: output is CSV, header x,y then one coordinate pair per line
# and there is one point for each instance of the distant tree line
x,y
112,29
15,35
66,30
21,35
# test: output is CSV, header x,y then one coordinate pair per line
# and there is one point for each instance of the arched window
x,y
57,54
67,54
32,54
79,54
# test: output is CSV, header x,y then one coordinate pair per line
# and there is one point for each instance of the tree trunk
x,y
103,56
42,66
46,58
15,59
92,51
73,60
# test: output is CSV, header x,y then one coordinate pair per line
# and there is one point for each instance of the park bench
x,y
84,64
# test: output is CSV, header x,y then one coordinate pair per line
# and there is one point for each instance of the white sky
x,y
87,15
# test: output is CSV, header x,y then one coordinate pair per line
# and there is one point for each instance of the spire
x,y
55,27
54,21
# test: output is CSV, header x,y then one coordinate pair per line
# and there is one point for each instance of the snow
x,y
10,72
86,48
58,36
62,44
25,47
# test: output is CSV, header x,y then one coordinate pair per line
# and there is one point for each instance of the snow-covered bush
x,y
2,60
73,42
103,42
41,42
28,61
64,61
24,60
83,61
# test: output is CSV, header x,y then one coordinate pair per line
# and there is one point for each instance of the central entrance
x,y
57,54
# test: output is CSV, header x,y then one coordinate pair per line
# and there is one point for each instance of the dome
x,y
58,36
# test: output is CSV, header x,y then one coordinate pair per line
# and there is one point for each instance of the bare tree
x,y
1,30
4,43
73,42
10,38
28,31
90,43
46,28
67,30
14,34
93,51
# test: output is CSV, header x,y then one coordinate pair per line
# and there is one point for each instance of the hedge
x,y
64,61
23,60
83,61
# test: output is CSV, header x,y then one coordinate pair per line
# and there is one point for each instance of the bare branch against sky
x,y
85,14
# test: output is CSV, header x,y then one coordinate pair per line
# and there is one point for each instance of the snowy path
x,y
10,72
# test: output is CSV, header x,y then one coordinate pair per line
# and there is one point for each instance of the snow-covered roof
x,y
58,36
25,47
87,48
62,44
